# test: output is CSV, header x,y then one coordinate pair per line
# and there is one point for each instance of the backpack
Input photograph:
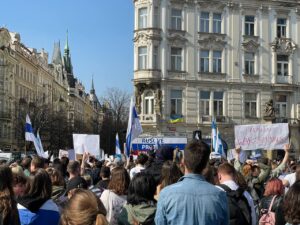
x,y
239,208
268,218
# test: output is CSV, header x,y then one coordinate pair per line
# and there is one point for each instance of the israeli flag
x,y
39,146
219,148
118,149
134,128
29,135
214,134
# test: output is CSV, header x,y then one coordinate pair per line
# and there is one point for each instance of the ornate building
x,y
199,59
29,84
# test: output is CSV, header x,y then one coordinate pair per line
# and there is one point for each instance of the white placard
x,y
262,136
86,143
63,153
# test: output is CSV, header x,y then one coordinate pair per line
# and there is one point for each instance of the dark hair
x,y
142,159
228,169
64,163
105,172
141,189
119,181
170,174
26,163
19,179
56,177
38,162
254,168
73,166
209,174
40,185
196,156
291,204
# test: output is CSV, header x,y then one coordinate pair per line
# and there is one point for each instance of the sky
x,y
100,35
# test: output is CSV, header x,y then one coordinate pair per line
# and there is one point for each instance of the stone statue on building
x,y
158,101
269,109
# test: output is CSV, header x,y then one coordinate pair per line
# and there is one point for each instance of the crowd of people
x,y
161,187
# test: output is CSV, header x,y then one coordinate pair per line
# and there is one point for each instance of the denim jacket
x,y
192,201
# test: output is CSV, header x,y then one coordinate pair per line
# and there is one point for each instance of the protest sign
x,y
86,143
262,136
63,153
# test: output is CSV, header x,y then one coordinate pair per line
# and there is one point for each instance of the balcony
x,y
148,119
144,34
147,74
290,121
284,79
208,119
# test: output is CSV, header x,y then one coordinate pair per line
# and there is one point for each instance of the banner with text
x,y
148,143
262,136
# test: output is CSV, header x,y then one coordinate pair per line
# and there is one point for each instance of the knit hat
x,y
76,182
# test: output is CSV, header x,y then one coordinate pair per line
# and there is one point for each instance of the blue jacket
x,y
192,201
48,214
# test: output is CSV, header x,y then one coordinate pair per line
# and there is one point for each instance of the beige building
x,y
30,84
197,60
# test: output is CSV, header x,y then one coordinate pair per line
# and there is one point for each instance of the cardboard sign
x,y
86,143
262,136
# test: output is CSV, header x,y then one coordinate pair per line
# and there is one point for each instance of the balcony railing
x,y
148,118
208,119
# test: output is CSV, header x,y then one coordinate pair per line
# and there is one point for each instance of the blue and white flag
x,y
29,135
39,146
118,149
134,128
214,134
219,148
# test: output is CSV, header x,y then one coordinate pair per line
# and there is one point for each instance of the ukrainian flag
x,y
176,119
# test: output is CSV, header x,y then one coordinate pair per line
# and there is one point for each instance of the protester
x,y
290,179
97,191
193,200
241,206
37,207
75,183
58,186
73,169
141,206
116,195
140,165
19,184
291,204
8,206
274,189
64,166
105,178
84,208
36,163
26,162
163,154
170,174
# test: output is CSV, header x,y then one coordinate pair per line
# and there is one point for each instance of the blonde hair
x,y
84,208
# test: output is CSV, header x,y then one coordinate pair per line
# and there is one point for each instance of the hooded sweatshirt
x,y
37,211
143,214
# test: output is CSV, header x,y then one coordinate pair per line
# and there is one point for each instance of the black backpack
x,y
239,209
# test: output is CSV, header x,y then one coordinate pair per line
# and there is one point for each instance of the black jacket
x,y
276,208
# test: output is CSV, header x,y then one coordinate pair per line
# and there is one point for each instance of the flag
x,y
176,119
134,128
29,135
219,145
39,146
118,150
214,134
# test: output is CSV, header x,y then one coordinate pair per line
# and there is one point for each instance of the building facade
x,y
197,60
30,84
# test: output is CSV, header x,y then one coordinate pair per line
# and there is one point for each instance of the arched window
x,y
149,103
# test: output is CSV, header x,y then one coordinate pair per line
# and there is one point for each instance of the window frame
x,y
281,28
178,102
176,59
219,103
205,61
142,18
217,62
142,58
282,66
204,109
249,64
249,25
204,22
176,21
252,103
217,24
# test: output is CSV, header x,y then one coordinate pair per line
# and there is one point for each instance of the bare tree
x,y
116,103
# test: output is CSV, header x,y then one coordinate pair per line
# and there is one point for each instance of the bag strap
x,y
270,207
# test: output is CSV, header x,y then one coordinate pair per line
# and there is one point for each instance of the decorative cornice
x,y
177,37
147,34
283,46
250,43
211,40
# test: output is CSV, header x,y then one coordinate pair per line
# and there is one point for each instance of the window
x,y
204,22
249,25
281,106
281,27
142,18
217,61
156,17
155,57
204,61
142,58
176,19
249,63
217,21
149,103
204,103
176,59
282,65
250,105
218,103
176,102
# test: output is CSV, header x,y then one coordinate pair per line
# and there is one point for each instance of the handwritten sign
x,y
262,136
